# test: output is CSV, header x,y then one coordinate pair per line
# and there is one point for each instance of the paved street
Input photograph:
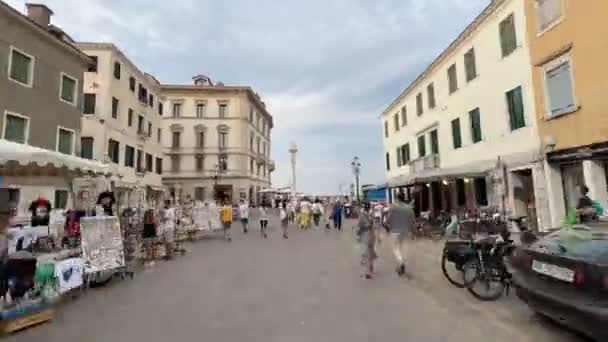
x,y
306,288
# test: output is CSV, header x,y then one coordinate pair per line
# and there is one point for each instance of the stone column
x,y
555,194
595,179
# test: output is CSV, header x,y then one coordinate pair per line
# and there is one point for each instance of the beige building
x,y
121,123
216,140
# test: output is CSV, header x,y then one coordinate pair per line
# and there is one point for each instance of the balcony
x,y
425,163
260,158
143,135
271,166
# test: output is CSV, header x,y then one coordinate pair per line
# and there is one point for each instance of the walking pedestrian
x,y
306,213
169,229
226,219
291,212
317,212
400,220
263,220
365,236
284,219
337,215
244,215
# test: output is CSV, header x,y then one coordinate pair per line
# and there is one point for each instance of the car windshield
x,y
581,242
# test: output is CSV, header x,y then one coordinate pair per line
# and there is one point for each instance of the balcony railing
x,y
142,134
260,158
271,166
429,162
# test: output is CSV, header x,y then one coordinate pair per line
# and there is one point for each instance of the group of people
x,y
375,225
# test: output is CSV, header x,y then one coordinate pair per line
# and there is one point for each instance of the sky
x,y
325,68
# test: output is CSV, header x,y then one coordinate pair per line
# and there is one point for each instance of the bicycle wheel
x,y
486,285
453,275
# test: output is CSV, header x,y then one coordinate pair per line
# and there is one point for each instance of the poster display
x,y
102,245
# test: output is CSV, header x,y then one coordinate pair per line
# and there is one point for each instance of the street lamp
x,y
356,165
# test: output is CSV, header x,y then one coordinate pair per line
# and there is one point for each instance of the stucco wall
x,y
496,76
583,26
41,102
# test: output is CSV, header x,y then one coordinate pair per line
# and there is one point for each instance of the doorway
x,y
524,200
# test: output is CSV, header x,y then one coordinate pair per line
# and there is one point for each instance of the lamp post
x,y
356,165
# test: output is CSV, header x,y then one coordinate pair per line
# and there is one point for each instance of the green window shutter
x,y
419,104
65,141
434,142
20,67
421,146
516,109
86,148
15,129
456,138
399,157
475,119
469,64
508,36
68,89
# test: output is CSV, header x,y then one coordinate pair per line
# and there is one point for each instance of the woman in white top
x,y
244,215
263,220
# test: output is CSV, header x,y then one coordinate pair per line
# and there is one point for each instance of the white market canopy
x,y
12,154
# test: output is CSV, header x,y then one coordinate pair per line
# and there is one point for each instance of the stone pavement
x,y
307,288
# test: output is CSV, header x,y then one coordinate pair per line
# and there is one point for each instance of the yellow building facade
x,y
568,42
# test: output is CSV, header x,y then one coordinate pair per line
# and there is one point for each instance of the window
x,y
434,137
508,36
151,100
68,89
117,70
419,104
159,166
516,109
129,156
150,129
258,145
61,199
149,161
421,146
559,90
223,107
403,116
65,141
251,163
430,93
140,157
388,161
114,151
548,12
16,128
200,139
396,119
470,68
251,115
405,154
481,194
132,83
114,108
21,66
90,102
130,117
452,78
175,163
386,129
93,67
475,119
199,194
158,136
160,109
140,125
200,161
200,110
251,138
264,148
177,110
399,158
224,140
223,163
175,139
86,147
142,94
456,137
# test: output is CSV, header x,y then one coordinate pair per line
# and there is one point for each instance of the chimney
x,y
40,14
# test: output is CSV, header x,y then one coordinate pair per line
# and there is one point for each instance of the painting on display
x,y
102,245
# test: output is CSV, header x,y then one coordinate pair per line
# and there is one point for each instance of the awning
x,y
470,170
25,155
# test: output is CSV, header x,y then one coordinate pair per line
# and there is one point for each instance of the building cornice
x,y
455,44
251,94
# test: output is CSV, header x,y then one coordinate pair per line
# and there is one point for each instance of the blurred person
x,y
168,219
244,215
317,212
263,220
400,220
284,216
337,215
365,236
226,219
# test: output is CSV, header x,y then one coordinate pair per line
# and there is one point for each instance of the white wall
x,y
496,76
